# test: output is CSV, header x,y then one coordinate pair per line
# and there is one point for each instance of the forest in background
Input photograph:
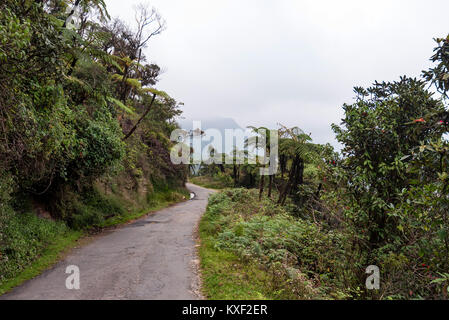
x,y
84,134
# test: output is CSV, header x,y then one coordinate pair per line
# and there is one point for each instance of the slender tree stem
x,y
141,119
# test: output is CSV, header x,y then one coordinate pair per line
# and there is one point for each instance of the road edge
x,y
197,282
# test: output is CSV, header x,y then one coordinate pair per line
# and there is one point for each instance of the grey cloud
x,y
293,62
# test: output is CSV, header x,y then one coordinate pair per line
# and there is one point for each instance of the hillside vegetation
x,y
84,134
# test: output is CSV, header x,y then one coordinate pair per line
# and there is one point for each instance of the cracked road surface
x,y
152,258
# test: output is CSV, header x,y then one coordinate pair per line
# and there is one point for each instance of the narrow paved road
x,y
152,258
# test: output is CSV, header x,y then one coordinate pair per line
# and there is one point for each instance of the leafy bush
x,y
380,131
93,208
23,239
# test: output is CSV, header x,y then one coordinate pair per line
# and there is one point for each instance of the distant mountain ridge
x,y
218,123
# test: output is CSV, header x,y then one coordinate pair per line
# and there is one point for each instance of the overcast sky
x,y
295,62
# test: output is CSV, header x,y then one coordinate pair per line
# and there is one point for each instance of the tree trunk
x,y
141,118
270,185
235,175
124,85
287,187
261,186
317,194
299,176
283,164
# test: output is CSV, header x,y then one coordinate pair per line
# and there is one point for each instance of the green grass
x,y
225,277
50,255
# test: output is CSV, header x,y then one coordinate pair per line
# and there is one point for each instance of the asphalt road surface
x,y
152,258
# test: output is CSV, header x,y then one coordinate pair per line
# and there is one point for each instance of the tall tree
x,y
294,146
380,131
260,141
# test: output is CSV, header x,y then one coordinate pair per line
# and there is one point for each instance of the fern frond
x,y
105,57
121,105
135,83
117,77
80,82
158,93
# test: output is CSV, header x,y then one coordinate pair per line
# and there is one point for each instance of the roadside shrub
x,y
224,179
24,237
296,252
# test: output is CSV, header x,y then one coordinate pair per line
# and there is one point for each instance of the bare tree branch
x,y
141,119
149,24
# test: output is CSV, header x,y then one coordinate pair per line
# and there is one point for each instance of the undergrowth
x,y
288,258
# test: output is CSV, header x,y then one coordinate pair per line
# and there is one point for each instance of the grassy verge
x,y
225,277
42,243
49,256
253,249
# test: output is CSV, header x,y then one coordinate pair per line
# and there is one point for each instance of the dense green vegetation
x,y
326,216
84,135
258,250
